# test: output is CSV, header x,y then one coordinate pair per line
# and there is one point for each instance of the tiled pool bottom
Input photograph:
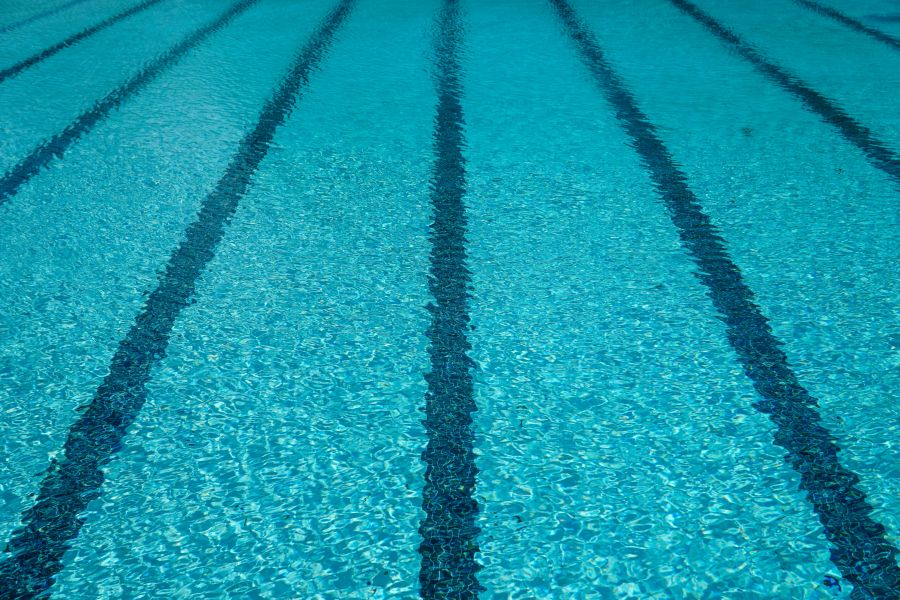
x,y
353,299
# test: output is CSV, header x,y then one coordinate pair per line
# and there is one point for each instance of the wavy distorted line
x,y
53,521
449,532
847,20
41,15
878,153
56,146
73,39
860,548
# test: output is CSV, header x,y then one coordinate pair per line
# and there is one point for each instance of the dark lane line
x,y
74,39
449,533
53,521
860,549
41,15
830,111
850,22
56,146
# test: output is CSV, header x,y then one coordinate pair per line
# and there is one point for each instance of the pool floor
x,y
530,299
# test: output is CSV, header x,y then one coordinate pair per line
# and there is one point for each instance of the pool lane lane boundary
x,y
850,22
36,549
41,15
449,531
56,146
74,39
860,548
830,111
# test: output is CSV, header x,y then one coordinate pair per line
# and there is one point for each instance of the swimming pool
x,y
522,299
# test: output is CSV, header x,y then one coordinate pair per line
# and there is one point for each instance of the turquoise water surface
x,y
525,299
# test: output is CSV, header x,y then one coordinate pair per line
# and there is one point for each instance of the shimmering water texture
x,y
453,300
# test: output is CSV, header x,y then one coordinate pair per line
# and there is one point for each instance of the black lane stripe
x,y
859,547
850,22
41,15
53,521
449,533
74,39
56,146
830,111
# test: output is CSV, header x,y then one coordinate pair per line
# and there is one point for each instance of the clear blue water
x,y
277,447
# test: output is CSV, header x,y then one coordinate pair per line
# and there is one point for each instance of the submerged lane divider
x,y
859,546
74,39
56,146
449,533
41,15
830,111
850,22
70,484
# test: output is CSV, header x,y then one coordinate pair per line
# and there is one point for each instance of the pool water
x,y
524,299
